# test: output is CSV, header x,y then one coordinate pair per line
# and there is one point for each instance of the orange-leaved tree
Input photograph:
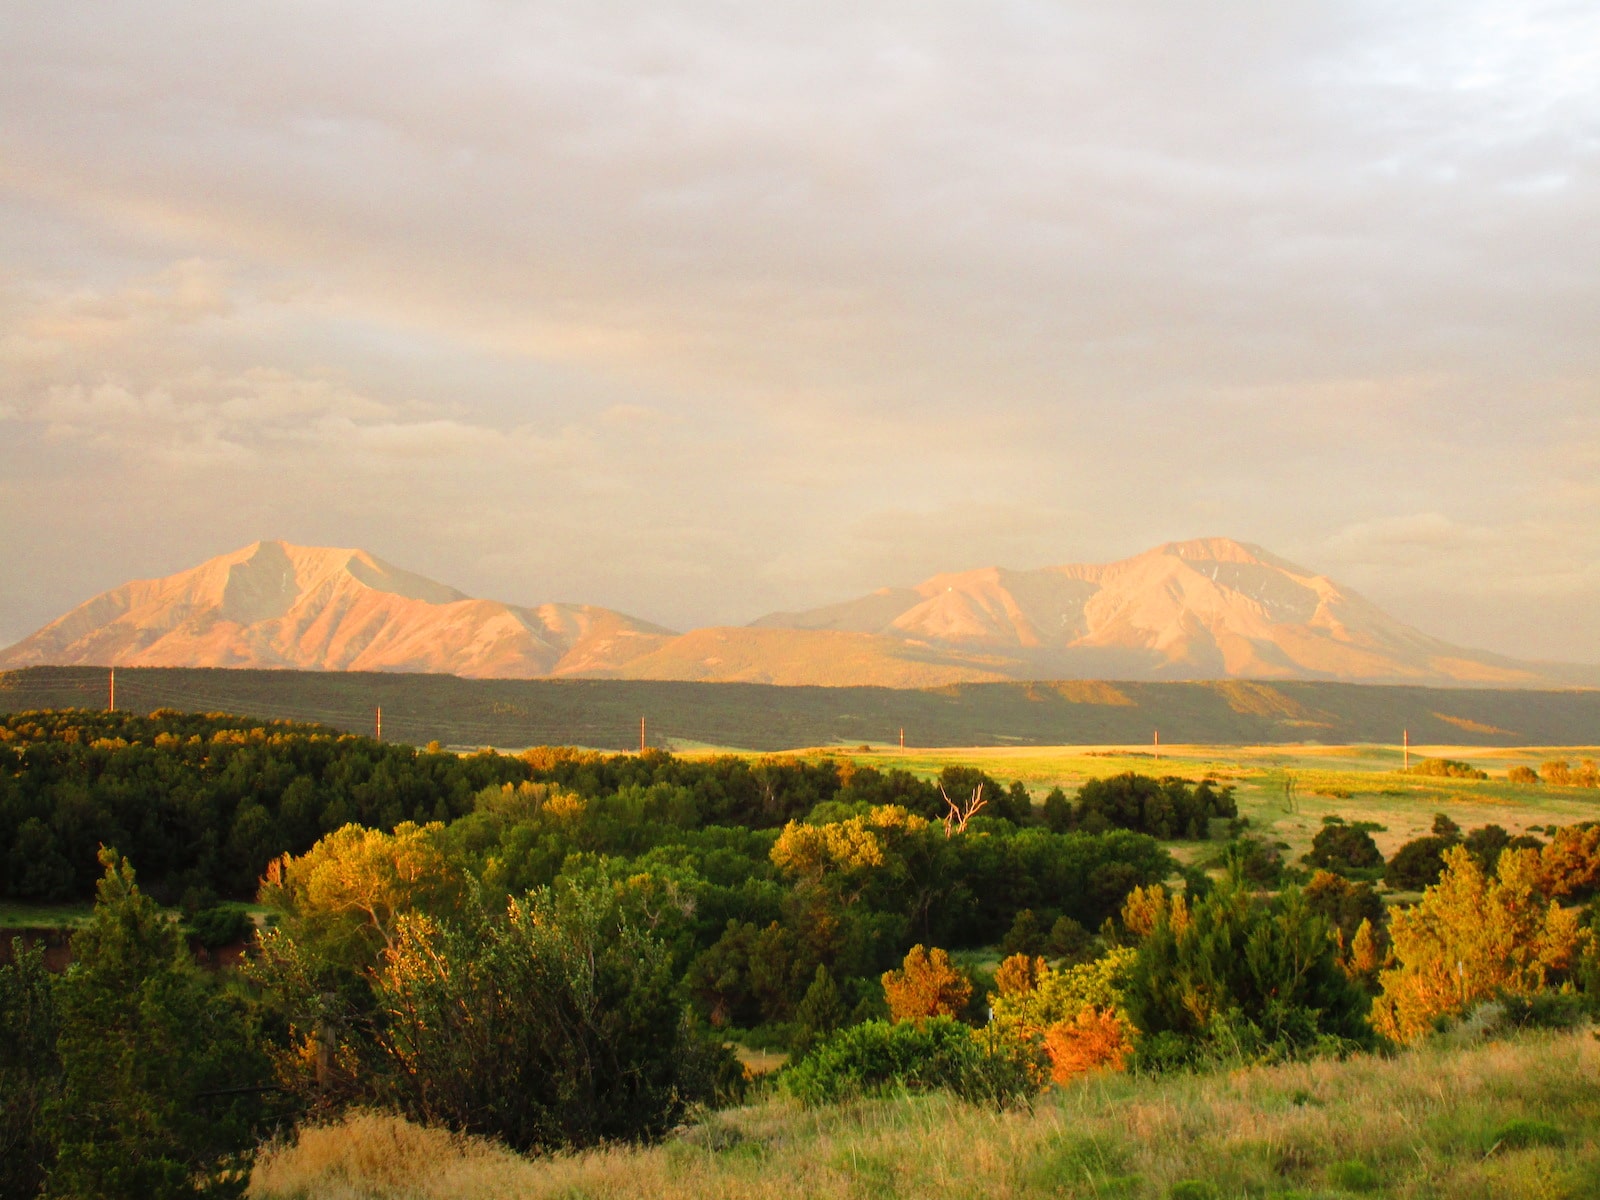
x,y
927,985
1096,1039
1569,866
1469,937
1076,1013
1365,956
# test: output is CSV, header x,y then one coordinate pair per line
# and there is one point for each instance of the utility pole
x,y
1405,738
380,722
113,707
902,737
1158,745
641,735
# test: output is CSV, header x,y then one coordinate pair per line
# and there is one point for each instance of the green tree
x,y
158,1064
1340,847
1254,859
1057,811
1346,905
1165,808
1237,975
560,1025
821,1011
1417,864
30,1072
876,1057
1026,935
1016,805
38,870
1473,935
1069,940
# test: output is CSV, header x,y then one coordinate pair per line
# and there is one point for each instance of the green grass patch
x,y
1523,1132
1353,1175
1081,1163
17,914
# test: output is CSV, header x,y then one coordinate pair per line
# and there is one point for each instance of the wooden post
x,y
641,735
902,737
113,707
1405,738
380,723
1158,745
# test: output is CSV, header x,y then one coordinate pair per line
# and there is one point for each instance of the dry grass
x,y
1434,1123
759,1062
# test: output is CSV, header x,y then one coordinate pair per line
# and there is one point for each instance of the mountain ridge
x,y
1208,608
275,604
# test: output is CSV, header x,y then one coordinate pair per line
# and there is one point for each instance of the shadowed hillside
x,y
605,713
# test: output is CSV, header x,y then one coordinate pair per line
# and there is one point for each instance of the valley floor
x,y
1513,1118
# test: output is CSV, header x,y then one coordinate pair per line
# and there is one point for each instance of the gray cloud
x,y
702,309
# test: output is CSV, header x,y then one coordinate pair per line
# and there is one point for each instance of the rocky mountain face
x,y
1208,609
273,604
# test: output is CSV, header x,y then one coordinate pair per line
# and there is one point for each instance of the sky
x,y
698,311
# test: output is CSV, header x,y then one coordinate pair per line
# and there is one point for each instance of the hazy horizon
x,y
698,311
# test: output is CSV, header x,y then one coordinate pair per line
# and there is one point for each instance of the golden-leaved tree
x,y
844,857
347,892
1469,937
1145,906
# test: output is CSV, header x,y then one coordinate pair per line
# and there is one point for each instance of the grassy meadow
x,y
1358,783
1518,1118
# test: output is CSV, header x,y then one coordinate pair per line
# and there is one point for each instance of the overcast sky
x,y
701,310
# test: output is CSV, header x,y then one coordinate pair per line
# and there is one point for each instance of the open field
x,y
15,914
1513,1119
604,713
1359,783
18,915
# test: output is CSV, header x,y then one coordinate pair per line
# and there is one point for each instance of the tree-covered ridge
x,y
766,717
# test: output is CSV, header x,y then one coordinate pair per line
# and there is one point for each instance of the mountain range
x,y
1206,609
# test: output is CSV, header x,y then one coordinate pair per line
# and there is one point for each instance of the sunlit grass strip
x,y
1510,1119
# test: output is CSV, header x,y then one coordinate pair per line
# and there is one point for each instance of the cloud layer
x,y
697,310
